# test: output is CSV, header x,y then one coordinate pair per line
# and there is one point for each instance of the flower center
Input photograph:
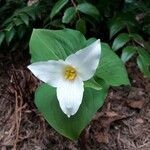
x,y
70,73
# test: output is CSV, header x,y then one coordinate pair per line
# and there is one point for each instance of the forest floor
x,y
123,123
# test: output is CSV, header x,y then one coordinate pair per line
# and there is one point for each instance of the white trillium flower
x,y
68,76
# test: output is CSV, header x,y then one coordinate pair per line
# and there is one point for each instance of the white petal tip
x,y
69,111
68,116
96,42
28,67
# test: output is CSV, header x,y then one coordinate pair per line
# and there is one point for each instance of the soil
x,y
123,123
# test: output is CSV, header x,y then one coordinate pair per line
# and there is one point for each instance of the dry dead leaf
x,y
111,114
136,104
140,120
102,137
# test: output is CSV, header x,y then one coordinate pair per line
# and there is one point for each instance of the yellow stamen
x,y
70,73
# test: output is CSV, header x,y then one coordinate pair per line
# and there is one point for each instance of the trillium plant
x,y
76,75
68,76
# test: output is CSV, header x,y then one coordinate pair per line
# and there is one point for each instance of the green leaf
x,y
9,35
143,61
120,41
136,37
127,53
81,26
17,21
47,103
123,20
68,14
31,13
89,9
111,69
25,18
2,36
102,82
21,30
57,7
55,44
93,84
9,27
115,26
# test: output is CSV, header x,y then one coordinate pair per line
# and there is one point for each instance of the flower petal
x,y
86,60
70,96
50,72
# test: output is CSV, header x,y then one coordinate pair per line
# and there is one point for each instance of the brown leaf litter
x,y
123,123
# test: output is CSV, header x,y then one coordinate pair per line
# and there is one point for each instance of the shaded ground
x,y
122,124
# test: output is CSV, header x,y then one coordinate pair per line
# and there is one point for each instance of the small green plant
x,y
19,20
125,37
66,60
77,14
